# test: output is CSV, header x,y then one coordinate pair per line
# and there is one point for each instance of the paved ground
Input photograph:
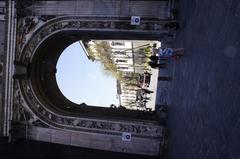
x,y
204,95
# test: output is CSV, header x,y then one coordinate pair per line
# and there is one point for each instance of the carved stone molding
x,y
32,30
33,33
139,129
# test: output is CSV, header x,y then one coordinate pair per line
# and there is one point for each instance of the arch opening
x,y
43,76
82,80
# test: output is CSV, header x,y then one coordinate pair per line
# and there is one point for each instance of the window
x,y
118,43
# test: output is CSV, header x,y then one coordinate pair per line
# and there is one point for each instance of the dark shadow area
x,y
203,96
41,150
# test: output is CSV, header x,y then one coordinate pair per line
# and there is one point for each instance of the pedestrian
x,y
170,52
146,91
154,58
156,65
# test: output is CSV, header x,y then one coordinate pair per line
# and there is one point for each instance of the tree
x,y
103,53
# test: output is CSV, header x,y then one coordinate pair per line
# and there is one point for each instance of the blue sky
x,y
82,80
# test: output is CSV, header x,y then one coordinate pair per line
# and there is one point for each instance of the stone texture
x,y
107,8
203,97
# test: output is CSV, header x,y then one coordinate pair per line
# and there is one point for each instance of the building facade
x,y
33,35
129,58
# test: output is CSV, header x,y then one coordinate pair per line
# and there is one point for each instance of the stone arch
x,y
39,92
29,111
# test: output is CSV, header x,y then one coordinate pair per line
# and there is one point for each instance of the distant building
x,y
130,58
89,48
122,55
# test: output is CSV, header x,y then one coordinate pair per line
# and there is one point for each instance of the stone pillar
x,y
2,52
7,53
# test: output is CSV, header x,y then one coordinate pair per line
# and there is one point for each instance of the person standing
x,y
156,65
170,52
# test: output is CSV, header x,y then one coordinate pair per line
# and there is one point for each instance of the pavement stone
x,y
204,94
